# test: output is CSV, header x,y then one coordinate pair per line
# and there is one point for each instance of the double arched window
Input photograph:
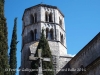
x,y
33,18
49,34
48,17
33,35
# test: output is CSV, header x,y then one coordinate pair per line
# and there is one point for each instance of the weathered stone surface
x,y
86,61
92,69
86,58
29,45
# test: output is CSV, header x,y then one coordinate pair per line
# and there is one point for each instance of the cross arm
x,y
46,59
33,58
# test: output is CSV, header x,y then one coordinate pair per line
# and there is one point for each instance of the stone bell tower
x,y
50,19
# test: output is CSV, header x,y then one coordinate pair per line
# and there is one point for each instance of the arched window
x,y
61,38
31,36
46,16
35,16
31,19
60,22
51,34
47,32
35,34
50,17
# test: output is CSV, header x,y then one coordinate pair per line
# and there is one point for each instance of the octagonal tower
x,y
50,19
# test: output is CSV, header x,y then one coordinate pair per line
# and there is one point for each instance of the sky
x,y
82,21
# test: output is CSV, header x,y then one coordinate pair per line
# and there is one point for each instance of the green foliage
x,y
46,53
13,48
2,1
3,42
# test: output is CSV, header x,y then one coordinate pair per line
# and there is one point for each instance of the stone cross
x,y
40,61
42,2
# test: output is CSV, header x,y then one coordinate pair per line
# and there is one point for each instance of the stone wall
x,y
41,24
30,48
64,60
58,48
92,69
88,54
84,57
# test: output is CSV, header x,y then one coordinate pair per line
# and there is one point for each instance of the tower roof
x,y
43,5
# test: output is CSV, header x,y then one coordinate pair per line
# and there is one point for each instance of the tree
x,y
3,42
46,53
13,48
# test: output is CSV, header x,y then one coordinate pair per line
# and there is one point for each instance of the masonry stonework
x,y
50,19
86,61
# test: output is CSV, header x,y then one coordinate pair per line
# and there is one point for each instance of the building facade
x,y
86,61
50,19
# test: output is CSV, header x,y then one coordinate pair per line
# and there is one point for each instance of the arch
x,y
35,17
35,34
46,16
61,38
51,34
60,22
50,17
31,19
31,36
47,32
